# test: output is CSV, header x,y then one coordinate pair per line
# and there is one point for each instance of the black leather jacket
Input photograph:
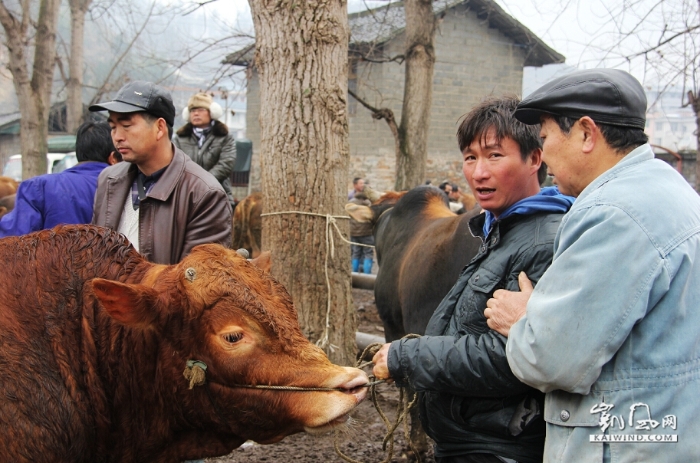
x,y
470,401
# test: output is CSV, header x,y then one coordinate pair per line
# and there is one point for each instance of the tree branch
x,y
398,58
380,113
102,88
194,55
661,44
197,6
61,70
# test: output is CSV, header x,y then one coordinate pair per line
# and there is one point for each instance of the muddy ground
x,y
361,440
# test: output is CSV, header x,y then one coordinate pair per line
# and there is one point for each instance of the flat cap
x,y
608,96
141,96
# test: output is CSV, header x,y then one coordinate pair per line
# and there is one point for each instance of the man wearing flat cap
x,y
610,333
162,201
206,140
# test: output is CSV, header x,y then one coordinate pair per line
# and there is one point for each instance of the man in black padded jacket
x,y
471,404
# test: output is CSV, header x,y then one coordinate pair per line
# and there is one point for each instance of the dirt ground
x,y
361,440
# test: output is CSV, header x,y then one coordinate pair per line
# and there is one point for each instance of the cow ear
x,y
130,305
263,261
362,214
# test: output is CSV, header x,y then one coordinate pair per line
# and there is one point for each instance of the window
x,y
240,178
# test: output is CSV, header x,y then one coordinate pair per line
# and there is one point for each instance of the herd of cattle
x,y
94,339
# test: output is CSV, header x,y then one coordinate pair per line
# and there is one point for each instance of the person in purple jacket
x,y
67,197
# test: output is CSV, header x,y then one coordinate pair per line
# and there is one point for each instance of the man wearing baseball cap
x,y
162,201
610,333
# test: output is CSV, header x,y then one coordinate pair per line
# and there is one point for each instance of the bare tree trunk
x,y
418,94
301,56
694,100
34,94
74,105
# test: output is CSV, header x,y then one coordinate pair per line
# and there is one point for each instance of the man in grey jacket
x,y
471,404
610,333
162,201
206,140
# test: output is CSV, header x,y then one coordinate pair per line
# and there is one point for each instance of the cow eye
x,y
233,337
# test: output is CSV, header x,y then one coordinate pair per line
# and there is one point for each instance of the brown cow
x,y
247,225
8,186
94,340
7,203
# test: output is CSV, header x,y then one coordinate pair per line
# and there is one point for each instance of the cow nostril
x,y
354,390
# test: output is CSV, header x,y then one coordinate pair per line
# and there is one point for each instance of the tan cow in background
x,y
247,225
8,189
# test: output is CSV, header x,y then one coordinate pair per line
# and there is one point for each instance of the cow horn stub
x,y
195,372
190,274
243,252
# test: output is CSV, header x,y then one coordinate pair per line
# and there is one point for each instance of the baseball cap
x,y
141,96
608,96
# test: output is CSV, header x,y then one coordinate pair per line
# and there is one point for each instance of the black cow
x,y
421,248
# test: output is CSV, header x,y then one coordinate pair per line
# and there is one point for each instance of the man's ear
x,y
130,305
590,133
162,129
535,159
112,158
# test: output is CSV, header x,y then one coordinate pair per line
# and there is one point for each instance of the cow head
x,y
217,308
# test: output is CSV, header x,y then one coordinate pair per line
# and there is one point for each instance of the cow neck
x,y
376,223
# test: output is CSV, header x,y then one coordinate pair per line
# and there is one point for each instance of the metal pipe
x,y
365,339
363,280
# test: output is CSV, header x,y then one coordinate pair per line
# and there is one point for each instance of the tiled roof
x,y
379,25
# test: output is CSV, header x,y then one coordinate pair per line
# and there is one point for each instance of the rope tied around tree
x,y
331,224
403,408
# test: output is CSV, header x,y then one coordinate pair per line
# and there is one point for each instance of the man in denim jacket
x,y
610,333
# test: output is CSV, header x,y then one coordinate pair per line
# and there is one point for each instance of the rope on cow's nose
x,y
195,373
404,407
324,340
